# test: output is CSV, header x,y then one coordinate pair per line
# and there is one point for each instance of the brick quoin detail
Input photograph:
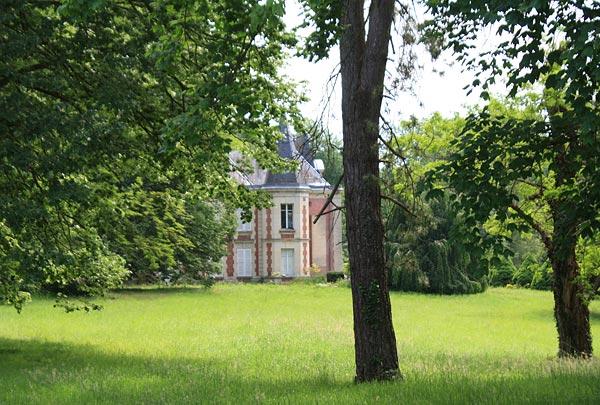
x,y
268,223
304,254
256,269
230,260
304,222
269,259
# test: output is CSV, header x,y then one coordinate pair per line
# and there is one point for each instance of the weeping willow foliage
x,y
425,254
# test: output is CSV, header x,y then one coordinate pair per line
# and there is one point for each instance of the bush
x,y
334,276
503,273
542,277
309,280
524,275
344,282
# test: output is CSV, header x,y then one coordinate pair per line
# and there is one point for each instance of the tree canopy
x,y
537,168
115,113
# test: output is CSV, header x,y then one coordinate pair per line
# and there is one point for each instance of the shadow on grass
x,y
40,372
36,371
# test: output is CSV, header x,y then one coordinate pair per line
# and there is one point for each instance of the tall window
x,y
287,262
243,226
287,216
244,262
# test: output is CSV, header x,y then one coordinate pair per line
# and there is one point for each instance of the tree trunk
x,y
570,303
363,63
570,307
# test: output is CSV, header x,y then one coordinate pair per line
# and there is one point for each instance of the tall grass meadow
x,y
262,343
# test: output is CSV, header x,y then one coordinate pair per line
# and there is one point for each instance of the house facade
x,y
282,241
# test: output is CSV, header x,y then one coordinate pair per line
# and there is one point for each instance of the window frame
x,y
287,216
245,263
287,262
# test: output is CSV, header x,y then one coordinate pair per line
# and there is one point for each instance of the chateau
x,y
282,241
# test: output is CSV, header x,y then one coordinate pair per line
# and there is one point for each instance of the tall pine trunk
x,y
363,61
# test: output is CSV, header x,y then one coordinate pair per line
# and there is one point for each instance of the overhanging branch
x,y
399,204
535,225
329,201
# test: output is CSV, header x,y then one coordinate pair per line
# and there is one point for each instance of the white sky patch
x,y
439,86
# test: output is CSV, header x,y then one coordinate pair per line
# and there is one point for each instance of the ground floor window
x,y
287,262
244,262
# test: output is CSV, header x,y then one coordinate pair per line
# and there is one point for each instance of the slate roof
x,y
305,175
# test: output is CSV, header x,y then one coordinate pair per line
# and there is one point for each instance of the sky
x,y
433,92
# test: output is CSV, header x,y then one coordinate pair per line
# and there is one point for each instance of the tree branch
x,y
26,69
535,225
329,200
399,204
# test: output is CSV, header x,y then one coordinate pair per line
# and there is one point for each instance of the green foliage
x,y
116,113
514,182
424,239
572,67
542,276
570,74
312,280
324,17
534,168
502,272
588,257
429,256
524,274
334,276
330,151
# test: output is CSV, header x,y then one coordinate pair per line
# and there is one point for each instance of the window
x,y
244,262
287,262
287,216
243,226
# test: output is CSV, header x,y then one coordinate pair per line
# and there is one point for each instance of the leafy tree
x,y
329,150
112,111
535,171
423,237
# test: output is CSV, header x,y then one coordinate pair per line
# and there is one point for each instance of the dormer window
x,y
287,216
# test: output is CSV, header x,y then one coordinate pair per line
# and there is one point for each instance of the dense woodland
x,y
118,117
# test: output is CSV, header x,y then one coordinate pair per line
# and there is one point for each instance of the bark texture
x,y
571,310
363,62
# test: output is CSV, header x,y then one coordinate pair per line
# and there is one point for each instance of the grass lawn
x,y
287,344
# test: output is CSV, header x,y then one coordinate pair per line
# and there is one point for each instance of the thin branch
x,y
333,210
535,225
399,204
392,149
329,200
26,69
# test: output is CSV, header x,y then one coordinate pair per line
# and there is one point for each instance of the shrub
x,y
343,282
503,272
309,280
524,275
542,277
334,276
